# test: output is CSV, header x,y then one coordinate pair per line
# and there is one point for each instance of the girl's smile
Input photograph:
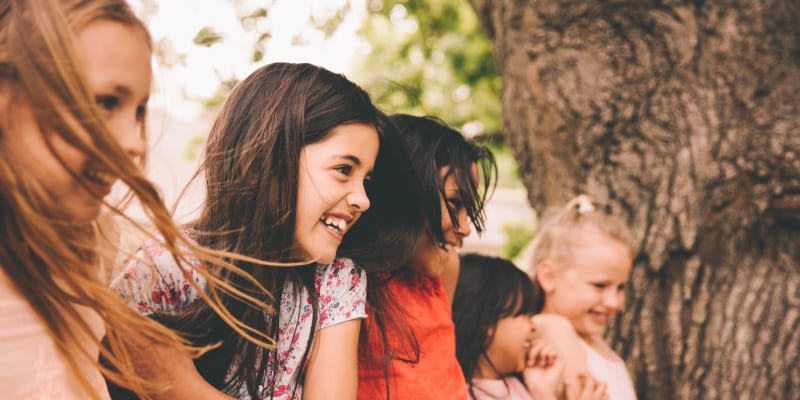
x,y
331,195
116,58
588,286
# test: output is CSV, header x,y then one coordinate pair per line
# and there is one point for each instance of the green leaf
x,y
207,37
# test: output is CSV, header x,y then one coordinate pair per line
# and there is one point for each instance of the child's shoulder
x,y
560,333
339,266
553,323
342,273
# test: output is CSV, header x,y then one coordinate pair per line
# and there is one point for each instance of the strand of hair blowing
x,y
55,265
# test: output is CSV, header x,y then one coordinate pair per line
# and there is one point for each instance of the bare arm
x,y
559,333
187,383
333,365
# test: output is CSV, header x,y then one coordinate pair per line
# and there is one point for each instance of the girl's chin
x,y
325,257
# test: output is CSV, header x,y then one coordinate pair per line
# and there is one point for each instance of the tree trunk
x,y
684,118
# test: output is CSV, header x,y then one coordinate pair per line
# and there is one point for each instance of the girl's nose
x,y
464,227
614,299
131,139
358,199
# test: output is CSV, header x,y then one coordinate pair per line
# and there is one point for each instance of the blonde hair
x,y
55,263
562,229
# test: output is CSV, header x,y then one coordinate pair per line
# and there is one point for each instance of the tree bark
x,y
684,118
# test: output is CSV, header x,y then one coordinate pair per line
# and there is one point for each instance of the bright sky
x,y
175,24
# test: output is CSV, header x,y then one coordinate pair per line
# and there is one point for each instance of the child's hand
x,y
543,372
585,388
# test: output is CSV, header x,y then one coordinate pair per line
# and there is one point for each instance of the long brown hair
x,y
54,263
251,167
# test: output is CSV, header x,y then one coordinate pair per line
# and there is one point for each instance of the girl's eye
x,y
108,103
599,285
621,288
345,170
454,204
141,111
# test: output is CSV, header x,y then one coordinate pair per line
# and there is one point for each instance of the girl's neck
x,y
598,344
484,371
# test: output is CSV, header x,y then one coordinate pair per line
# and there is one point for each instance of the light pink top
x,y
509,388
30,365
610,371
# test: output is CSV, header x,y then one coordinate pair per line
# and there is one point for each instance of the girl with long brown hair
x,y
74,82
299,167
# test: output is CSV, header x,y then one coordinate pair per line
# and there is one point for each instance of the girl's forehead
x,y
451,174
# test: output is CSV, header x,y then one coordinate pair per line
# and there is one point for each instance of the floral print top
x,y
340,287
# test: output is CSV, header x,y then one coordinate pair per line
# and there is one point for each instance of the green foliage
x,y
517,237
193,148
222,92
207,37
431,57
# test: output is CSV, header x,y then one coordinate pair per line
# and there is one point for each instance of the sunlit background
x,y
418,57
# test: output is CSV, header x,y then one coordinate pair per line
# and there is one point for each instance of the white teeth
x,y
104,178
335,223
447,246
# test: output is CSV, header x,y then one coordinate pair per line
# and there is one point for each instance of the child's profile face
x,y
430,258
509,348
589,283
117,61
330,192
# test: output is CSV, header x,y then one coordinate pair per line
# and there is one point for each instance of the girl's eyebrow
x,y
116,88
355,160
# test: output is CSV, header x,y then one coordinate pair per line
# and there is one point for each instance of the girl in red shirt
x,y
407,348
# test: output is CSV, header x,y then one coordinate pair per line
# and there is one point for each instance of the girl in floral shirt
x,y
296,157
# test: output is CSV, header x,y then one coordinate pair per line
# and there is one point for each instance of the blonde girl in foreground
x,y
583,259
74,83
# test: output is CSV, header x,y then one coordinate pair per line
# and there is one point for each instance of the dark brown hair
x,y
432,145
488,290
251,167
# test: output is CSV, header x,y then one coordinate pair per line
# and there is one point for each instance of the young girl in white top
x,y
583,259
500,356
300,167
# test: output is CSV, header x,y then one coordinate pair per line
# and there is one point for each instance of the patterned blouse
x,y
340,287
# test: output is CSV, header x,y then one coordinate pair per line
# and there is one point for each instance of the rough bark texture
x,y
683,117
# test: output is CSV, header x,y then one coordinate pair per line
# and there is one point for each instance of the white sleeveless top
x,y
612,372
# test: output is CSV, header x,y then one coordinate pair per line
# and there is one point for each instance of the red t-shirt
x,y
438,374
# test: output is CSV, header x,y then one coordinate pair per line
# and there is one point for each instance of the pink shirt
x,y
612,372
31,366
509,388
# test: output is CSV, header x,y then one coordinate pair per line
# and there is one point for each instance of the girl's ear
x,y
545,275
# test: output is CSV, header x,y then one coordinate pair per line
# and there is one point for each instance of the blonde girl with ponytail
x,y
583,258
